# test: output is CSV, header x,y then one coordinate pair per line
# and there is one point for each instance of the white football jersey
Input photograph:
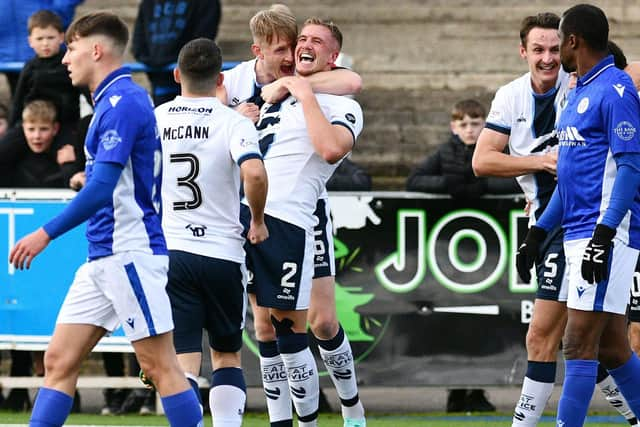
x,y
240,83
203,144
529,121
297,174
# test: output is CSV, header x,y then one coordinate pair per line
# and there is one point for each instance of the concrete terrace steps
x,y
416,57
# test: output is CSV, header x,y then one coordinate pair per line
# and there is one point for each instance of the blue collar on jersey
x,y
120,73
605,63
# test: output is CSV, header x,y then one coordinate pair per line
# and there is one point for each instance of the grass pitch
x,y
8,419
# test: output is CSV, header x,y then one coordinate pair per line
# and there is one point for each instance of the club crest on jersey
x,y
583,105
110,139
625,130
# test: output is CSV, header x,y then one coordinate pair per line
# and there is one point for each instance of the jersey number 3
x,y
189,181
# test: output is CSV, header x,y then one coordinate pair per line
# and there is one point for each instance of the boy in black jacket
x,y
34,156
44,76
449,170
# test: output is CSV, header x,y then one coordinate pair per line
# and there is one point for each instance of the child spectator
x,y
44,76
35,157
449,169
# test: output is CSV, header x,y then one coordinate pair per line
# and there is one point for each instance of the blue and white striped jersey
x,y
601,120
123,131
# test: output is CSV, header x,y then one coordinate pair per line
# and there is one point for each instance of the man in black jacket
x,y
162,27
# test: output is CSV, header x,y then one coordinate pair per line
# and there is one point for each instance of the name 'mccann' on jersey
x,y
203,144
131,221
601,120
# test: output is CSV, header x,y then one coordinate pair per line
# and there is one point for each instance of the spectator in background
x,y
44,76
35,157
449,169
13,29
162,27
4,120
349,177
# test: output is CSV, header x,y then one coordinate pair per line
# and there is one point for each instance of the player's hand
x,y
528,252
298,87
28,247
258,232
77,181
595,261
249,110
550,161
66,154
274,92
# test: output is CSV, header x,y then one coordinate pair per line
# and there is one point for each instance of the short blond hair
x,y
277,22
39,110
333,28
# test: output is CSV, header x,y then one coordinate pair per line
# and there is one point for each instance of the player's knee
x,y
577,346
283,327
59,362
324,327
541,345
264,330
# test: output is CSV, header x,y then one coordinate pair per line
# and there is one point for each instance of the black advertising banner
x,y
426,286
427,289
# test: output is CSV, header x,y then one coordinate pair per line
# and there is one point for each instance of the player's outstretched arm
x,y
337,82
340,81
489,158
94,196
28,247
255,184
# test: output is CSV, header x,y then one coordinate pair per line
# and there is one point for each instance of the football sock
x,y
302,375
536,390
627,377
579,382
228,397
275,385
338,359
609,389
51,408
182,409
193,382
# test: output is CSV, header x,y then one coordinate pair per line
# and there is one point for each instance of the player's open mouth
x,y
306,57
287,69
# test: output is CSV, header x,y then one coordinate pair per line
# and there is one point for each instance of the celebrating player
x,y
206,147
